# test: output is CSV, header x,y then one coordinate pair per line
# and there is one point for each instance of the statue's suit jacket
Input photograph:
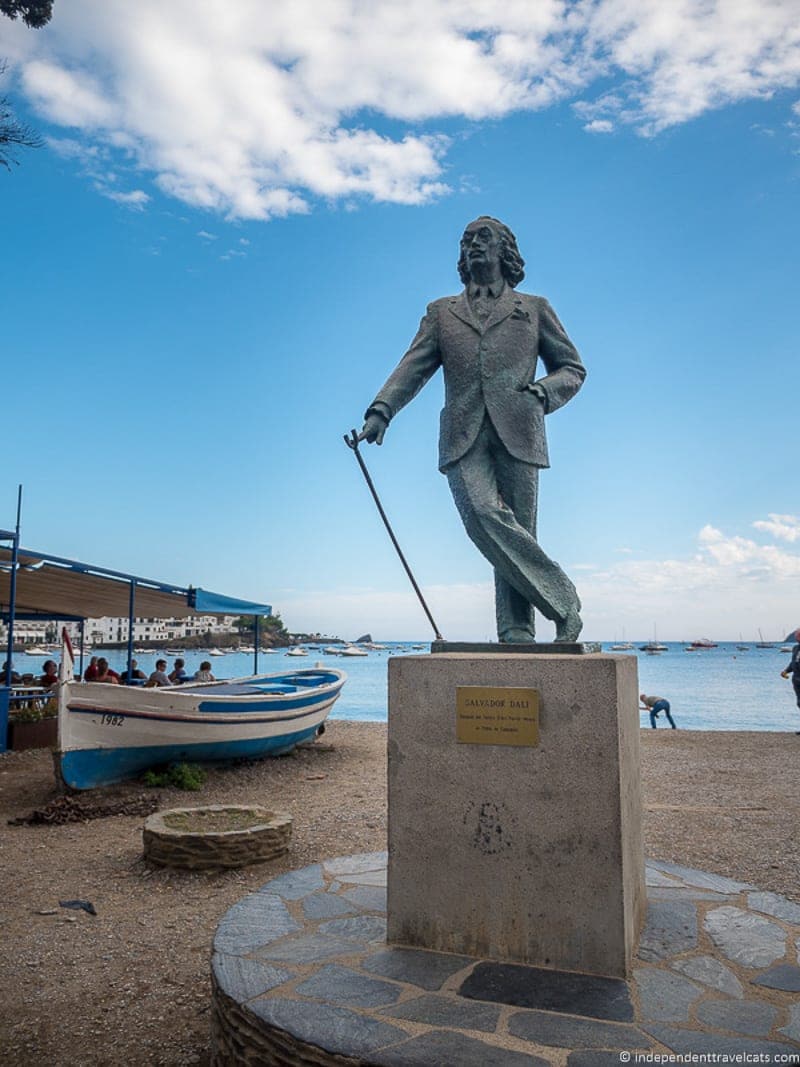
x,y
487,367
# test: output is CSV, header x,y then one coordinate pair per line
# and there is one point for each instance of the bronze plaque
x,y
487,715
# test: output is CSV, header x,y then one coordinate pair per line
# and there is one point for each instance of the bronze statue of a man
x,y
488,341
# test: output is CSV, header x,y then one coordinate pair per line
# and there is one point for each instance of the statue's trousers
x,y
496,496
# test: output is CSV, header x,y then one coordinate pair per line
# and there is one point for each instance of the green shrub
x,y
186,776
35,711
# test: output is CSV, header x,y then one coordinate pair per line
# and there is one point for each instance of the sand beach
x,y
130,985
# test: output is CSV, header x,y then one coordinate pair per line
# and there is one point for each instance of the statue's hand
x,y
374,429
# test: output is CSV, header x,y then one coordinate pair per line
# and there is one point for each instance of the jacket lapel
x,y
503,307
459,306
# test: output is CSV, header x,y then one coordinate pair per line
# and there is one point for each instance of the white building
x,y
115,630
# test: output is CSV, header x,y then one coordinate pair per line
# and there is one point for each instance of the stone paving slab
x,y
447,1049
428,970
751,1017
664,995
745,938
302,974
784,976
700,879
775,904
534,987
670,927
567,1031
342,985
712,973
439,1010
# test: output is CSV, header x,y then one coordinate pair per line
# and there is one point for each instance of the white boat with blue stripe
x,y
107,733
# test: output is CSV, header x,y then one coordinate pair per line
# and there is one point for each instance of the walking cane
x,y
352,443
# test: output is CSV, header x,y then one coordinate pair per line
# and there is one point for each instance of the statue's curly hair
x,y
512,264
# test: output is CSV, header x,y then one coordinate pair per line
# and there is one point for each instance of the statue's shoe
x,y
569,628
520,636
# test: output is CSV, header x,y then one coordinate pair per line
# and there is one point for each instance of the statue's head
x,y
511,262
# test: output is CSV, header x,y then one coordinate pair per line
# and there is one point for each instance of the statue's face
x,y
482,246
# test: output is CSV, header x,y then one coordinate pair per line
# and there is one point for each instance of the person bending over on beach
x,y
794,669
654,705
159,676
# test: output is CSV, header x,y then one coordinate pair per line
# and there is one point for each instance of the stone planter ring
x,y
217,835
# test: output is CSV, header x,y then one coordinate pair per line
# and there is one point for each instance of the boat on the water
x,y
703,642
761,643
107,733
352,650
297,652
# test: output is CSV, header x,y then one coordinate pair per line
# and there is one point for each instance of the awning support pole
x,y
81,631
131,609
13,580
12,606
257,637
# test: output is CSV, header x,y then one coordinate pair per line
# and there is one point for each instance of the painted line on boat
x,y
200,719
247,707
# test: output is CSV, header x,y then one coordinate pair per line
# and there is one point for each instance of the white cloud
x,y
135,199
599,126
255,110
729,585
785,527
206,235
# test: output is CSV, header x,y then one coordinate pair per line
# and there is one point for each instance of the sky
x,y
239,214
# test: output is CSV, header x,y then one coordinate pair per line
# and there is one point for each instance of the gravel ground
x,y
130,985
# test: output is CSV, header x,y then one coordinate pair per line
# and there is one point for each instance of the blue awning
x,y
207,603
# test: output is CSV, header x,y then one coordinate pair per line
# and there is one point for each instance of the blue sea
x,y
715,689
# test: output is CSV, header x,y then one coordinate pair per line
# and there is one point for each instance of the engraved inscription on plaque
x,y
487,715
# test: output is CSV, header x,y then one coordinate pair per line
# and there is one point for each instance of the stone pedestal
x,y
529,853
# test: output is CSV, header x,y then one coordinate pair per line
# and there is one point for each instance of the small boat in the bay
x,y
35,650
214,652
761,643
297,652
352,650
107,733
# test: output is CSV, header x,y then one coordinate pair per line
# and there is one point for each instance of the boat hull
x,y
109,733
91,768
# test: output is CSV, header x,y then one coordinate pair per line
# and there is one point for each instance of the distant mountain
x,y
365,640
